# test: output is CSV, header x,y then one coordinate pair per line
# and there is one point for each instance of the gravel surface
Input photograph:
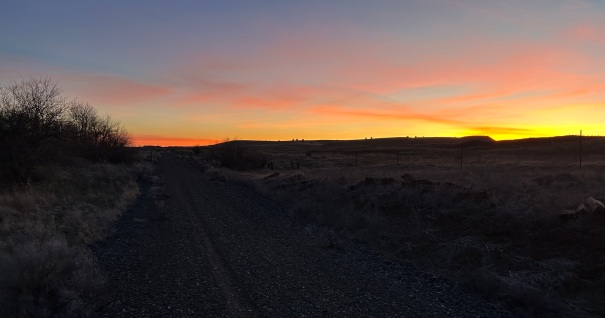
x,y
225,251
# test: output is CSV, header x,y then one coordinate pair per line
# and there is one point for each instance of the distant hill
x,y
397,143
477,141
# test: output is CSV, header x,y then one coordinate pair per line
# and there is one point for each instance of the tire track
x,y
224,251
179,185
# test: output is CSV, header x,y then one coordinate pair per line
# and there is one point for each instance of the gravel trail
x,y
224,251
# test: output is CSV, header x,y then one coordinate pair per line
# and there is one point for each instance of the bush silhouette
x,y
232,154
37,124
94,137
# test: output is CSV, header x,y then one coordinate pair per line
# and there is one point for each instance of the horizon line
x,y
202,142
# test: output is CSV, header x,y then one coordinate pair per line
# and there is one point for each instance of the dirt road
x,y
224,251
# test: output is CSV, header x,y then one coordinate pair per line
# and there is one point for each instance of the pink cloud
x,y
88,86
508,67
587,32
253,102
110,89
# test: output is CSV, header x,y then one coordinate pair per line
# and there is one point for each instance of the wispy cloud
x,y
588,33
110,89
500,131
402,114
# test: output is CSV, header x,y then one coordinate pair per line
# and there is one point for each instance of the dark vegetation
x,y
234,154
489,215
63,180
39,126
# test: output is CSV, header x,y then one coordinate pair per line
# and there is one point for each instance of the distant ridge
x,y
390,142
477,138
477,141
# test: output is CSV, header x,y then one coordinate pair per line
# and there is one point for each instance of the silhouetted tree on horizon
x,y
37,123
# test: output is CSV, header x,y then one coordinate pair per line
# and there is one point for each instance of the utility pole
x,y
580,149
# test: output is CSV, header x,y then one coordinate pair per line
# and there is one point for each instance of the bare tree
x,y
31,114
96,137
32,107
83,119
37,124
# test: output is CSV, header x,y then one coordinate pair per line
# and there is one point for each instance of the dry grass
x,y
46,268
46,277
493,225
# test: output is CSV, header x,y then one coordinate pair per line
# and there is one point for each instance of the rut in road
x,y
227,252
238,304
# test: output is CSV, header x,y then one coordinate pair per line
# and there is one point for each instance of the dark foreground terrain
x,y
221,250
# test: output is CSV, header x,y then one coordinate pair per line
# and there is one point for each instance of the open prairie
x,y
509,220
438,151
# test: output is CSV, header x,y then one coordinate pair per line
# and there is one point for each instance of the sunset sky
x,y
194,72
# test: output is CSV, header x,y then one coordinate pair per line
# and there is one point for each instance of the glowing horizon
x,y
144,140
202,72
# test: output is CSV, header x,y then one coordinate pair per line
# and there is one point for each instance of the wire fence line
x,y
568,153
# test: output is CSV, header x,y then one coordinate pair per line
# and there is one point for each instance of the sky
x,y
197,72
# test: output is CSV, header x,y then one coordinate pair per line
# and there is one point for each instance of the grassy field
x,y
46,268
486,214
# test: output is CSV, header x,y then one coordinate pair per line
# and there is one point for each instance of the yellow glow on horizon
x,y
558,121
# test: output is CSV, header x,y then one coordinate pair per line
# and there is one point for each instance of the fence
x,y
571,150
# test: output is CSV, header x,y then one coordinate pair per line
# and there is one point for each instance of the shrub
x,y
233,155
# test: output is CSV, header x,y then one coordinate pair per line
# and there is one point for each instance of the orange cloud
x,y
499,131
401,114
